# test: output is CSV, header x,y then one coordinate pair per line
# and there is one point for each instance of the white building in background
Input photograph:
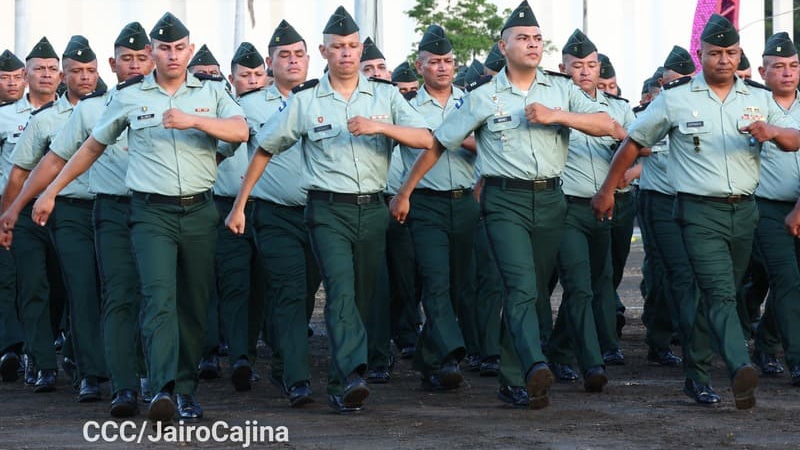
x,y
635,34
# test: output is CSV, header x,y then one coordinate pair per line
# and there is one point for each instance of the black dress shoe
x,y
58,344
240,375
614,358
124,404
355,391
664,358
795,372
450,375
223,349
336,403
564,372
537,382
30,370
701,393
432,382
70,368
620,323
45,381
378,376
188,408
473,362
595,379
9,364
407,352
209,368
300,394
162,408
769,365
743,385
90,390
516,396
490,366
144,390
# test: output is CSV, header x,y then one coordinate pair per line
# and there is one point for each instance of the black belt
x,y
75,200
528,185
574,199
226,199
353,199
730,199
658,193
280,206
185,200
787,203
452,194
114,198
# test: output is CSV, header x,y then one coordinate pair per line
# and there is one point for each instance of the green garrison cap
x,y
371,51
42,49
203,57
779,44
606,68
247,55
474,72
495,60
521,17
578,45
435,41
284,34
133,37
744,63
461,74
341,23
719,31
649,84
9,62
101,85
680,61
404,73
169,29
79,50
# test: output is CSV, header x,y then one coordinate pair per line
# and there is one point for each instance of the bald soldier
x,y
522,118
716,123
175,121
345,210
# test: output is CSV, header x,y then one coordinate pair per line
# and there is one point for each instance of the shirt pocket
x,y
696,133
503,130
324,137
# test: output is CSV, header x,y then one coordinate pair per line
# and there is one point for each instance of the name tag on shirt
x,y
322,128
502,119
145,116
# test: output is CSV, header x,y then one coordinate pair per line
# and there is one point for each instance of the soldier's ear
x,y
112,62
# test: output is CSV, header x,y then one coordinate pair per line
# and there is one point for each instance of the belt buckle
x,y
539,185
186,201
456,193
733,198
363,199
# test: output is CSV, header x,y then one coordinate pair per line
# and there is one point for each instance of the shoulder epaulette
x,y
6,104
43,107
616,97
640,108
410,95
680,81
130,82
204,77
478,83
93,94
557,74
381,80
755,84
308,84
251,91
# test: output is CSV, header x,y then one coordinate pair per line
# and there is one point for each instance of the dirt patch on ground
x,y
643,407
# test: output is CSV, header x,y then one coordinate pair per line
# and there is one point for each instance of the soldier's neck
x,y
170,85
521,78
785,100
441,95
345,86
37,100
73,98
285,89
721,88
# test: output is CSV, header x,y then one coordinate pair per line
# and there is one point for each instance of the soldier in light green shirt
x,y
175,121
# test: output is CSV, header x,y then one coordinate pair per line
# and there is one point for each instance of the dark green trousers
x,y
781,256
660,314
625,206
293,279
120,292
349,244
11,334
524,229
488,295
174,250
584,270
240,285
71,227
403,286
443,231
719,239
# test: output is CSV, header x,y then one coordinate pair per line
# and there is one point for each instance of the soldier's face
x,y
584,71
244,79
212,70
12,85
375,68
437,71
745,74
42,75
608,85
342,53
80,77
781,73
407,86
522,46
289,64
129,63
719,63
670,75
171,58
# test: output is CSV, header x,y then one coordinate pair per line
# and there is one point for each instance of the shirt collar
x,y
325,89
